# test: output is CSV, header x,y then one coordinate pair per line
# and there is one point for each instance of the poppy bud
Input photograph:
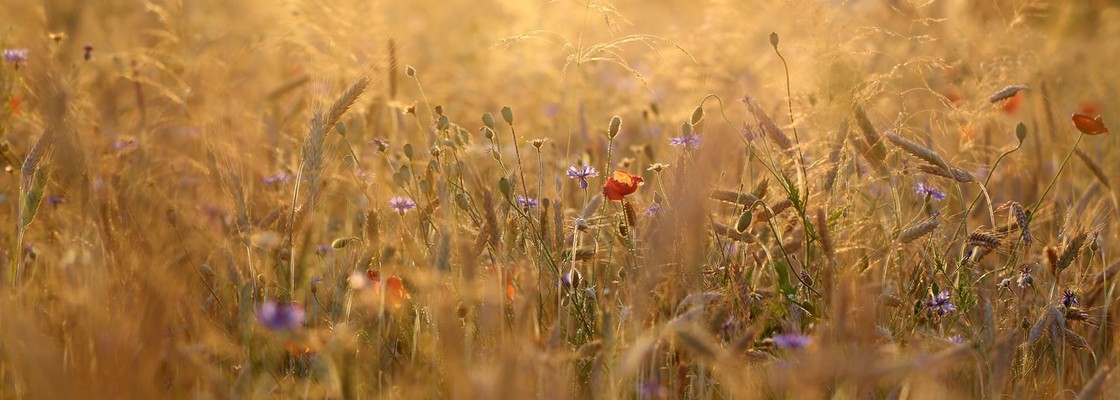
x,y
616,124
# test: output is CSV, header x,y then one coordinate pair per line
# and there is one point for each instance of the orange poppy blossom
x,y
1089,126
1013,103
396,294
621,184
509,275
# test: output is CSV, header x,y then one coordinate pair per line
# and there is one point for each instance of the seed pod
x,y
1021,132
774,39
408,70
488,120
507,114
463,201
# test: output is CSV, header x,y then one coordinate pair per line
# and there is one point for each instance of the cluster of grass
x,y
558,199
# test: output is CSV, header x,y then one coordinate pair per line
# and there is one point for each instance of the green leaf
x,y
784,285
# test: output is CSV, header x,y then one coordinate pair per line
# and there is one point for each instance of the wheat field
x,y
791,199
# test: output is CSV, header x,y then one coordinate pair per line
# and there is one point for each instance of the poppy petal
x,y
1089,126
620,184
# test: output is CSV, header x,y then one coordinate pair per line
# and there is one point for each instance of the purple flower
x,y
280,177
930,191
690,141
402,204
749,132
582,173
280,317
124,144
940,304
16,56
653,209
526,201
552,110
1069,299
1025,280
792,340
958,339
653,389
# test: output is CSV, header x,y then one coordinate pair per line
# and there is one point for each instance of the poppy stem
x,y
1034,209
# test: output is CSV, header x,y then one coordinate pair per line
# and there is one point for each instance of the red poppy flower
x,y
1012,104
509,275
1089,126
953,97
13,107
396,294
620,184
1089,108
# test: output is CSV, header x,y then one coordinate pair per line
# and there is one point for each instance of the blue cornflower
x,y
930,191
526,201
691,141
16,56
653,209
280,317
280,177
792,340
402,204
940,304
582,173
1069,299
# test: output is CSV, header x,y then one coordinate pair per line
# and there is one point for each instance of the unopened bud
x,y
697,115
613,128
